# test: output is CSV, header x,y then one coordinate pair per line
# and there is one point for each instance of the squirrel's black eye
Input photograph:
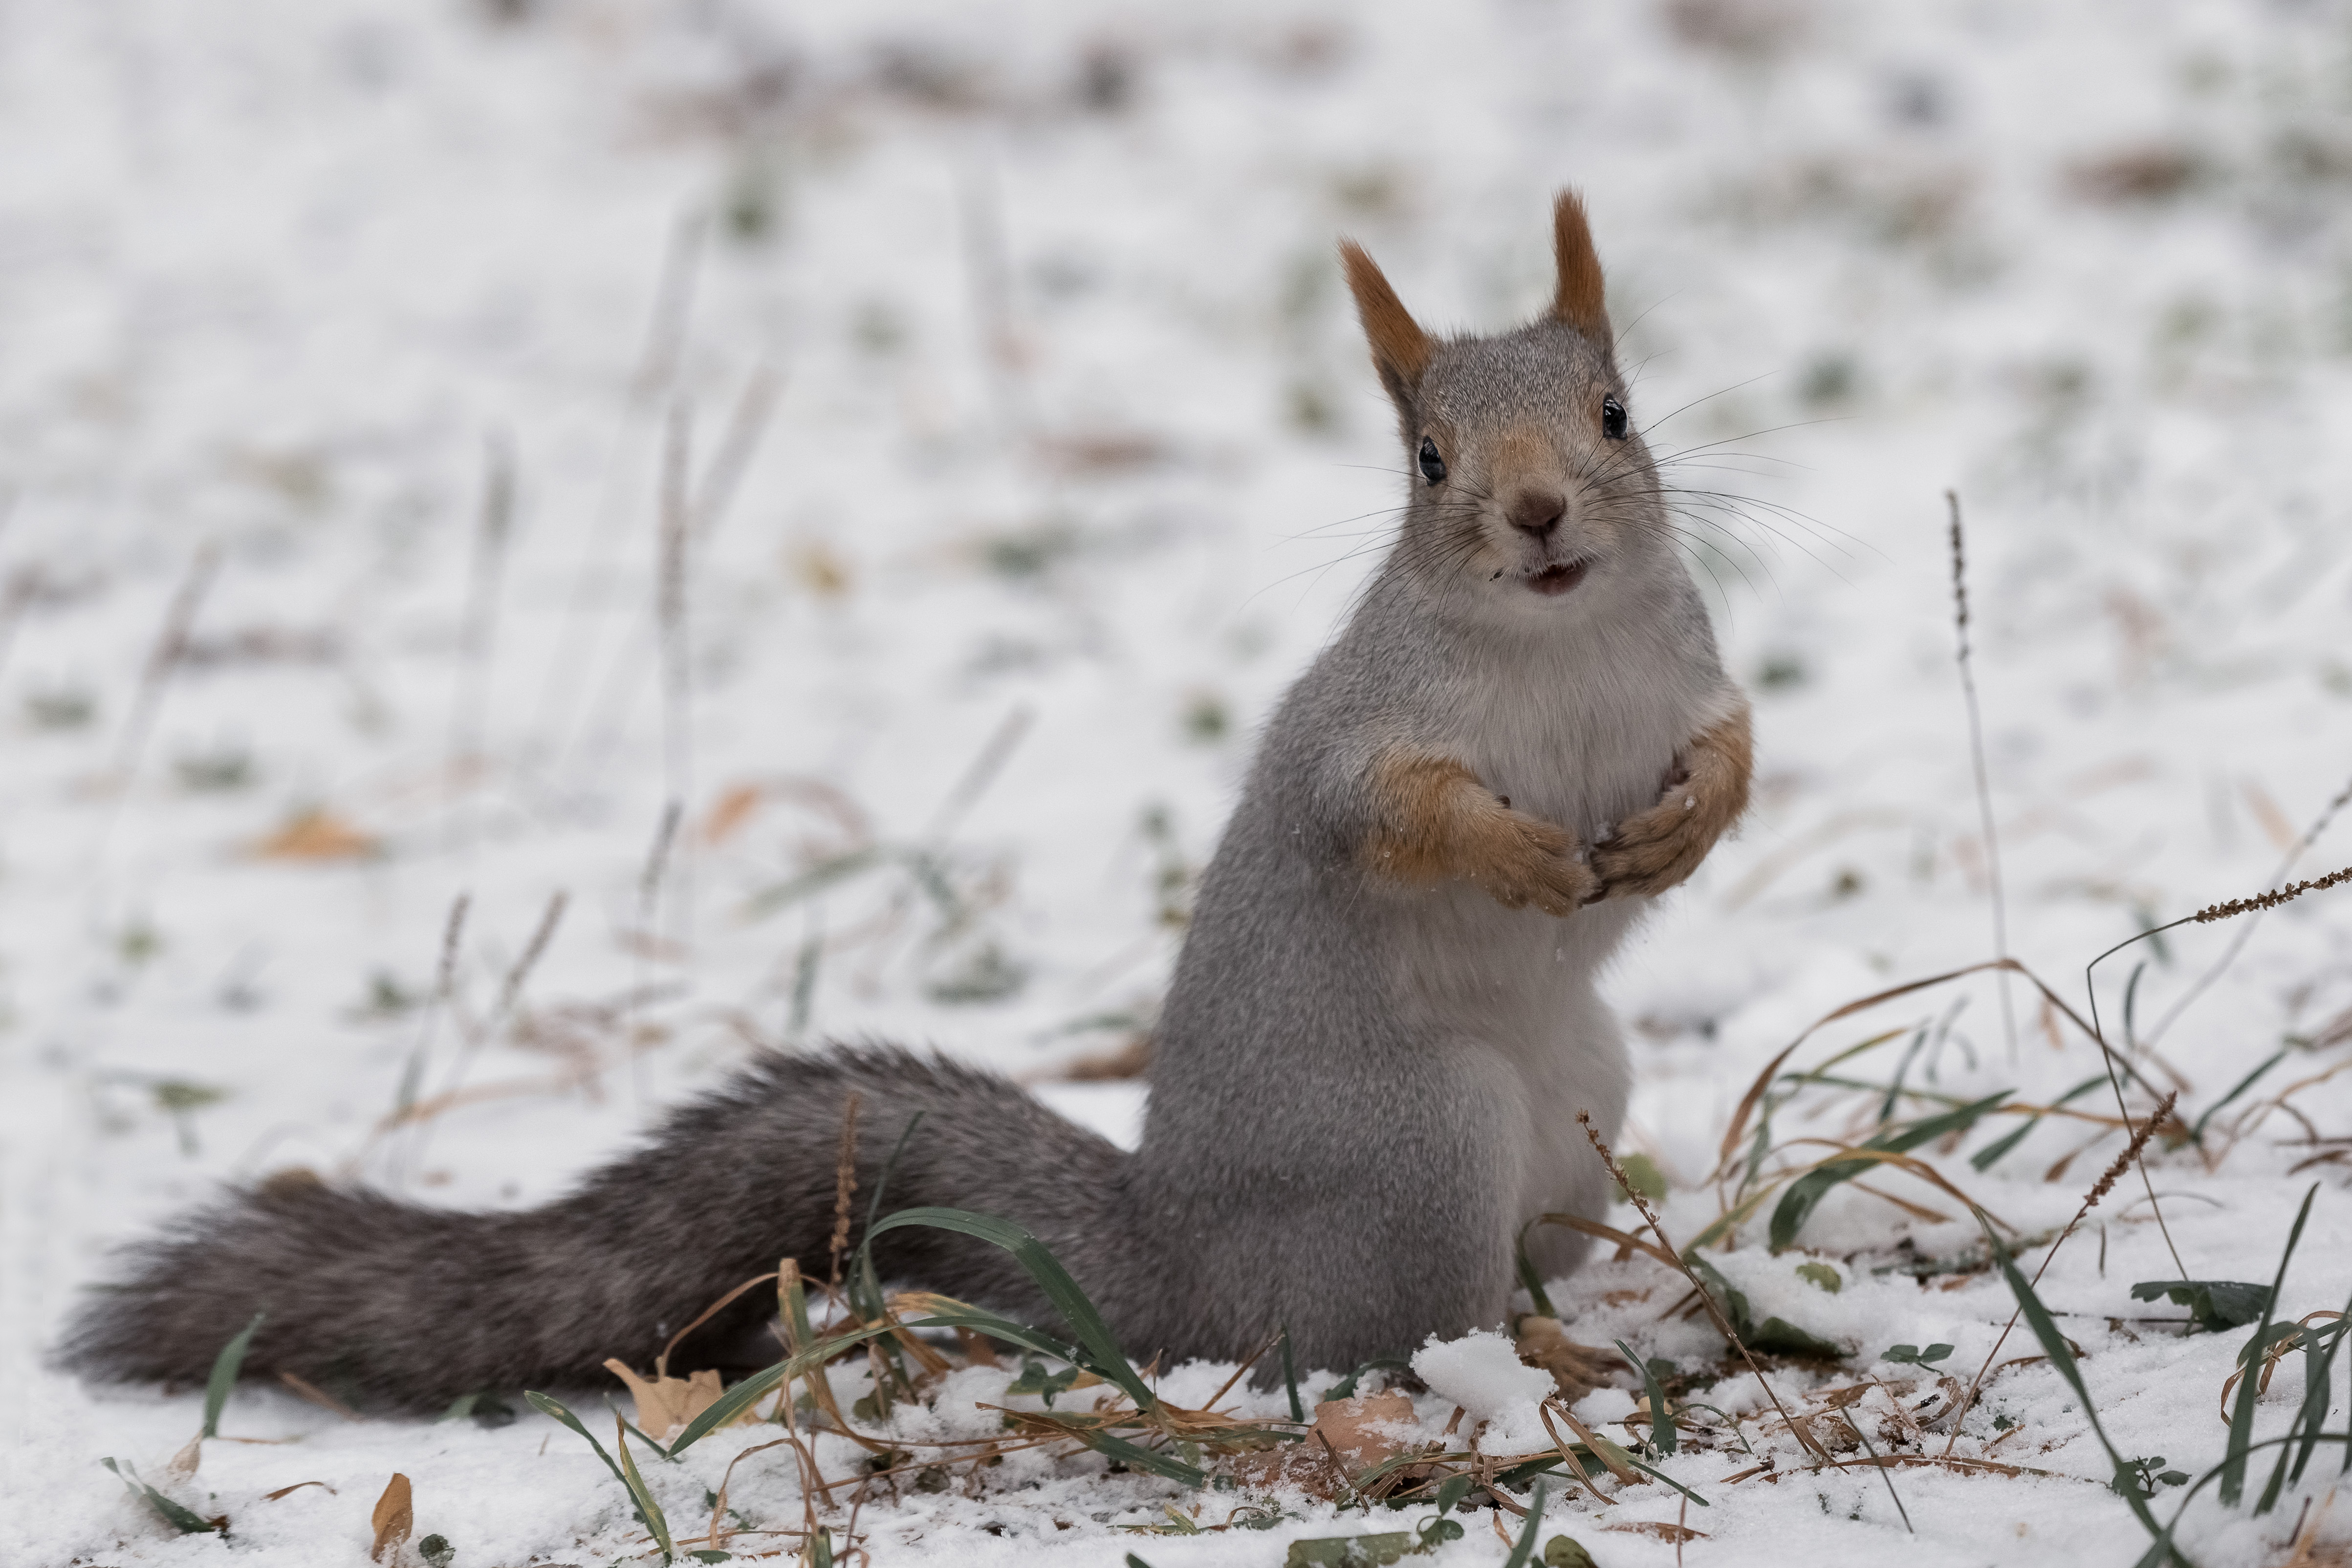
x,y
1612,419
1432,467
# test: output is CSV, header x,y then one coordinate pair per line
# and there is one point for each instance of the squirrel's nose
x,y
1538,511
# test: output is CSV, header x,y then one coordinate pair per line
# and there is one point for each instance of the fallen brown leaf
x,y
298,1486
316,835
730,811
1348,1433
667,1403
395,1517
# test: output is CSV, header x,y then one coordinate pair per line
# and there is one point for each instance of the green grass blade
x,y
796,1314
1103,1356
1523,1550
1290,1377
2319,1376
648,1509
1661,1424
1808,1190
2318,1369
2241,1415
2061,1358
2197,1133
2163,1547
225,1366
184,1519
816,880
649,1512
957,1315
1991,1154
1737,1214
1670,1480
1346,1387
801,1363
556,1408
1527,1275
757,1386
1136,1459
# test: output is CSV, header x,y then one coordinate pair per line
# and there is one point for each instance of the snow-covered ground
x,y
1070,461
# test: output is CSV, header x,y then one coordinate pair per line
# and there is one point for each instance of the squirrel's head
x,y
1528,477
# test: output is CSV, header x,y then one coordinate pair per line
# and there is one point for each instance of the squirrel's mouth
x,y
1554,581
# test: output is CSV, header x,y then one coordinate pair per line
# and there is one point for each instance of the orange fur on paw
x,y
1660,848
1435,822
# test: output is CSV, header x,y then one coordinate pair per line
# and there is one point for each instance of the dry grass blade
x,y
318,1396
661,1361
1626,1243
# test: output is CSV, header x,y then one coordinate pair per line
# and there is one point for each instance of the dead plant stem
x,y
1722,1323
1977,759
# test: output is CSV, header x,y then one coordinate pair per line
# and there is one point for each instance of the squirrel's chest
x,y
1582,746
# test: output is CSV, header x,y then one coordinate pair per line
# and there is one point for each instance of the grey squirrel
x,y
1366,1076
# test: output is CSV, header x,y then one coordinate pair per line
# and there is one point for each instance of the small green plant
x,y
2148,1475
215,770
59,708
2214,1305
1912,1356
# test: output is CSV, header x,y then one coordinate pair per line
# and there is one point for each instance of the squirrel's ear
x,y
1577,303
1400,349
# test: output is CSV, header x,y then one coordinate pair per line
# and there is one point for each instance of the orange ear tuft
x,y
1400,349
1578,303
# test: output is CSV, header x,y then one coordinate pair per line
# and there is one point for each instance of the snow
x,y
1483,1374
1074,444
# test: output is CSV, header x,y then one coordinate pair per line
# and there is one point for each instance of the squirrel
x,y
1368,1069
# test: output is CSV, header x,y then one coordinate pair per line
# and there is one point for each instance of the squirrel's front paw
x,y
1656,850
1521,861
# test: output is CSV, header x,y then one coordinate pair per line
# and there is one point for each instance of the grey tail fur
x,y
389,1304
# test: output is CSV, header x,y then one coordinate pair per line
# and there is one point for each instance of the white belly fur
x,y
1513,991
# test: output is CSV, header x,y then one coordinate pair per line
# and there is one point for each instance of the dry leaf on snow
x,y
316,835
668,1404
395,1517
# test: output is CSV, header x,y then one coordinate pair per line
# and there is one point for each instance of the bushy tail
x,y
390,1304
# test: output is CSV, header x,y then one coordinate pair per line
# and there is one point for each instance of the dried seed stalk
x,y
1722,1323
2270,899
845,1181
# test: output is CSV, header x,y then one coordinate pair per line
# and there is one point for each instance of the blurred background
x,y
549,543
